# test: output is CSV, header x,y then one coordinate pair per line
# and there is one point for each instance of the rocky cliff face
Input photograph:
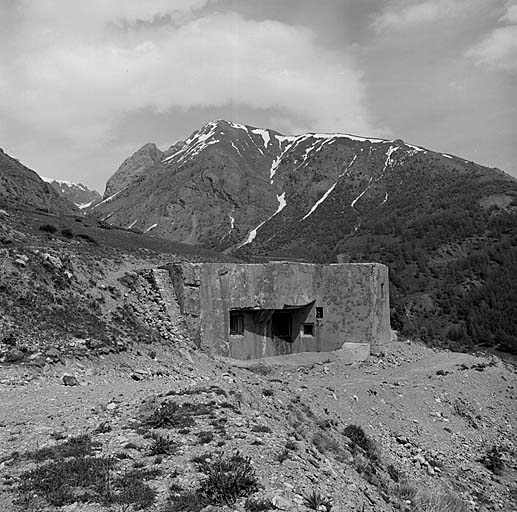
x,y
22,187
132,168
77,193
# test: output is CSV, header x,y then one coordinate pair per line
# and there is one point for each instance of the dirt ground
x,y
432,415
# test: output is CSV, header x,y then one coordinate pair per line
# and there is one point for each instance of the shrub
x,y
67,233
360,440
316,501
87,238
48,228
162,445
170,414
438,500
283,455
291,445
229,478
493,460
325,443
67,481
132,489
79,446
261,428
205,436
268,392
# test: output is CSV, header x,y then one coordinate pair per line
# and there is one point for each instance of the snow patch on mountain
x,y
282,203
82,206
264,134
150,227
385,199
110,198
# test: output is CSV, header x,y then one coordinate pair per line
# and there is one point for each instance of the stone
x,y
14,355
52,352
281,503
70,380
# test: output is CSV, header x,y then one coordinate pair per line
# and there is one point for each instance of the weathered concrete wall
x,y
354,298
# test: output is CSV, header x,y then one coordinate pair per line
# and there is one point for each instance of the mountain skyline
x,y
81,88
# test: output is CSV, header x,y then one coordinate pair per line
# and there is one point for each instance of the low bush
x,y
205,436
87,238
79,446
493,460
359,439
316,501
261,428
67,233
48,228
227,479
163,445
437,500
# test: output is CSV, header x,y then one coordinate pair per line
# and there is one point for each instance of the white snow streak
x,y
323,197
82,206
329,191
132,224
352,204
276,161
447,156
232,222
110,198
236,148
150,227
385,199
253,233
264,134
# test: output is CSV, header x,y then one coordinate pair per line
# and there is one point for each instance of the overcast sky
x,y
84,84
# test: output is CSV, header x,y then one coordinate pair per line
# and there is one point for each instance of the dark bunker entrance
x,y
284,328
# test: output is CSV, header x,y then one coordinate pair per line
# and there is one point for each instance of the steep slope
x,y
77,193
210,191
22,187
446,227
132,168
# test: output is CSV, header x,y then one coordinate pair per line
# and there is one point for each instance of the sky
x,y
83,85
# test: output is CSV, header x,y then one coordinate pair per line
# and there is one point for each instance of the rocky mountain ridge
x,y
77,193
21,186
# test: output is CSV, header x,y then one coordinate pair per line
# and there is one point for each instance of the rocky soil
x,y
431,417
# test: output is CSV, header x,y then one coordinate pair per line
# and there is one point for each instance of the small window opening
x,y
319,312
236,323
308,329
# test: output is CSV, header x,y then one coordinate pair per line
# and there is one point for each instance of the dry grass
x,y
438,500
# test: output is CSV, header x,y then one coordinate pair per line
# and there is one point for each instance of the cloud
x,y
498,49
407,14
510,15
79,68
399,16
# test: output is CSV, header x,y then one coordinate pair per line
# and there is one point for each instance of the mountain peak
x,y
133,167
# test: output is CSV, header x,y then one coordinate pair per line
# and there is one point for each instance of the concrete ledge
x,y
349,353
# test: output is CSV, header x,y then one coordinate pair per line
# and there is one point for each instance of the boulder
x,y
70,380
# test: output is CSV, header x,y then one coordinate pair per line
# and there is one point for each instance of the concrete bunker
x,y
251,311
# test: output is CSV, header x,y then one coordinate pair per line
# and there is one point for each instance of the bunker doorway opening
x,y
282,325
